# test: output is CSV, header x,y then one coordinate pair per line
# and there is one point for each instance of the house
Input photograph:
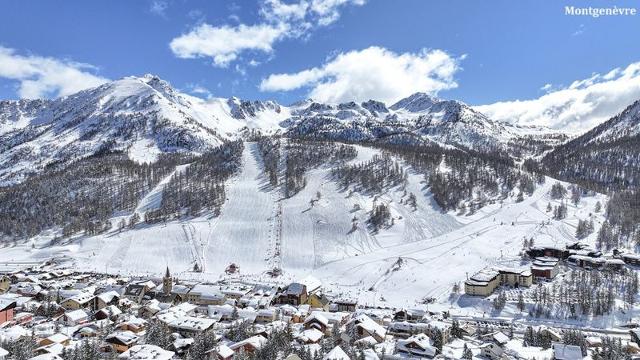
x,y
294,294
348,305
566,352
76,317
206,295
107,298
5,283
109,312
249,345
82,300
491,351
55,339
417,345
318,301
362,326
310,336
593,341
544,268
122,341
586,261
146,352
189,326
7,307
135,293
410,315
317,321
220,352
134,324
336,354
266,316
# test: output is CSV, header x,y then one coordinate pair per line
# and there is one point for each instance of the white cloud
x,y
40,77
223,44
372,73
279,20
578,107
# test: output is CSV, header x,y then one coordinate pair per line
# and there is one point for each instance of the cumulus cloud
x,y
577,107
223,44
40,77
372,73
278,20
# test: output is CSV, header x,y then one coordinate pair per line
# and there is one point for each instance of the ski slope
x,y
421,256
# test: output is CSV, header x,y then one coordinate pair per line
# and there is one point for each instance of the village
x,y
48,312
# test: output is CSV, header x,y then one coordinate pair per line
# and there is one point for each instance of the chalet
x,y
82,300
344,305
362,326
76,317
318,301
106,298
147,352
410,315
249,345
122,341
134,325
189,326
266,316
310,336
417,345
55,339
110,312
336,354
566,352
317,321
220,352
491,351
7,309
135,293
544,268
5,283
202,294
294,294
406,329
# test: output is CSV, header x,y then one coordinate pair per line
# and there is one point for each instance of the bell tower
x,y
167,282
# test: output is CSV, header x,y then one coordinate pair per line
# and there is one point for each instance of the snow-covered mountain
x,y
419,118
145,116
607,156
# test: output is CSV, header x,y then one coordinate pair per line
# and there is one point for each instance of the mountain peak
x,y
416,102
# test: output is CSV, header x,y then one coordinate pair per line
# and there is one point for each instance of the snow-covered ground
x,y
422,255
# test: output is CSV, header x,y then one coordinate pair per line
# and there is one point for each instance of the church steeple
x,y
167,282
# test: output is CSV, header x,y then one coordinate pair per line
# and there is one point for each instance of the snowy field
x,y
421,256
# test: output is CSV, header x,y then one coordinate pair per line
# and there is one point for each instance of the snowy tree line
x,y
373,176
200,187
584,293
80,197
270,150
459,177
302,155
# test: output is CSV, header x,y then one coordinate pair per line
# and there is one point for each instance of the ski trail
x,y
152,200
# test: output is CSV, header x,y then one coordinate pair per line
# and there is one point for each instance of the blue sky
x,y
484,51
